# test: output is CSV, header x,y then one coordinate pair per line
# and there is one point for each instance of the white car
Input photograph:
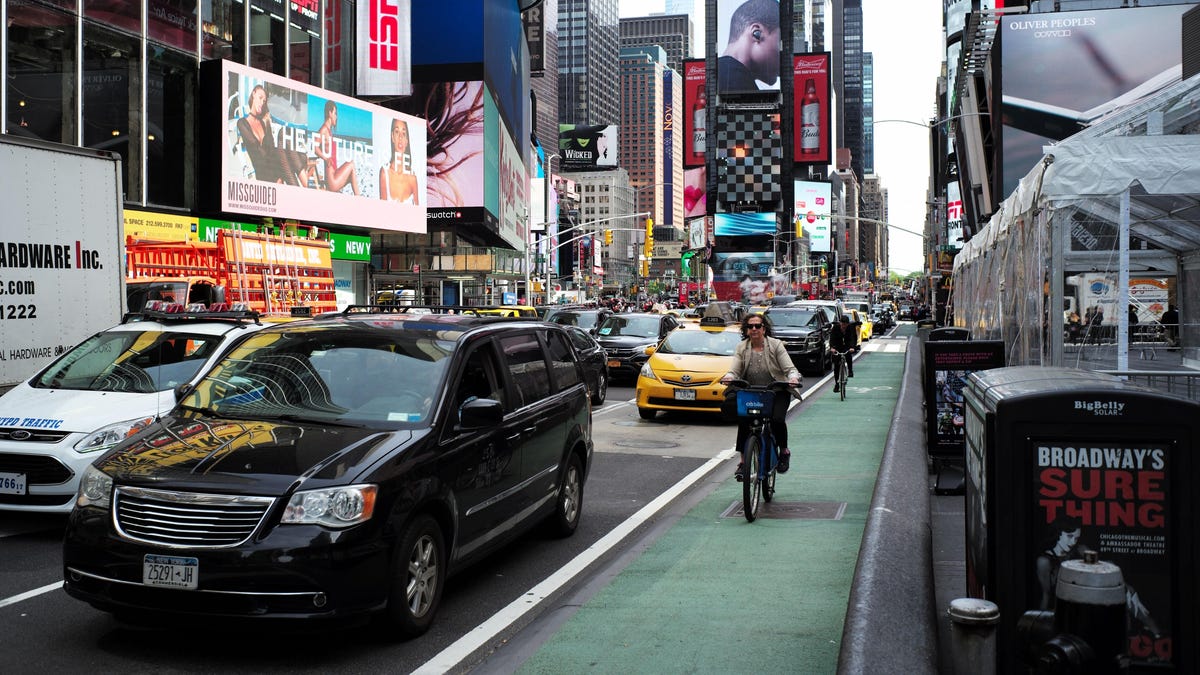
x,y
106,388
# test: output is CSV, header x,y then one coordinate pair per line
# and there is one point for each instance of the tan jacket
x,y
778,361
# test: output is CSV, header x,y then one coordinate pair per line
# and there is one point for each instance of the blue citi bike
x,y
760,404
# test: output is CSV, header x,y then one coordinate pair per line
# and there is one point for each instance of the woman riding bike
x,y
844,340
761,359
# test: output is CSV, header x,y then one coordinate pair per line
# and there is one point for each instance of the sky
x,y
906,40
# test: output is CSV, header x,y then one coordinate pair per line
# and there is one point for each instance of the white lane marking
x,y
29,594
452,655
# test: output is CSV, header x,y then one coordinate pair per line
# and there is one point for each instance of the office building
x,y
588,49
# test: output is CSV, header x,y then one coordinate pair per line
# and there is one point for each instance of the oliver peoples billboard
x,y
290,150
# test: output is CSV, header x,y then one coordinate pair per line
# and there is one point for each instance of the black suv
x,y
805,333
625,338
335,467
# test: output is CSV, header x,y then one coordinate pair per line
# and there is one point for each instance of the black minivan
x,y
336,467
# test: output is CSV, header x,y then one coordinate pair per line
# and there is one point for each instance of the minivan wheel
x,y
601,389
418,574
569,506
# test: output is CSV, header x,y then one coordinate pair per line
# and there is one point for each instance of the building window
x,y
41,73
224,30
112,100
172,22
170,121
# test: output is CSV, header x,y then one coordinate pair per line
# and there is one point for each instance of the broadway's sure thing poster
x,y
1110,497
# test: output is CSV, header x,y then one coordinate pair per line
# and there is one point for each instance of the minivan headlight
x,y
108,436
95,489
331,507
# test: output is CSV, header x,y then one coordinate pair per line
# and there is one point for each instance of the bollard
x,y
973,635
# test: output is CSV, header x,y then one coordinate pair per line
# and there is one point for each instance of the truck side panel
x,y
61,251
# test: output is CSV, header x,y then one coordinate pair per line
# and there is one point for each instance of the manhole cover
x,y
646,445
791,510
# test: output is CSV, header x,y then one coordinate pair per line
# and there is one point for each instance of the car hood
x,y
71,410
625,341
700,366
247,456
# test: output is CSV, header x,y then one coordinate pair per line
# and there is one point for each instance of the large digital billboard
x,y
814,203
812,141
695,191
744,224
290,150
749,44
695,105
384,48
587,146
1064,70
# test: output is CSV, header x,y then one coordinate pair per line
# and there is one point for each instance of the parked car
x,y
594,360
684,372
108,387
337,467
805,333
626,336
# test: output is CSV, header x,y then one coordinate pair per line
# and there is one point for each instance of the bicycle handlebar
x,y
777,386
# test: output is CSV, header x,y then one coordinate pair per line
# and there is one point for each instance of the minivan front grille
x,y
185,519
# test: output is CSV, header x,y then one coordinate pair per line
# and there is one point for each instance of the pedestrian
x,y
1170,322
1074,327
1095,325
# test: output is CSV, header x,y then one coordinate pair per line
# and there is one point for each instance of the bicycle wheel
x,y
751,481
769,462
842,380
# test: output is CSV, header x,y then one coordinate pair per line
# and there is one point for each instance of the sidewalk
x,y
719,595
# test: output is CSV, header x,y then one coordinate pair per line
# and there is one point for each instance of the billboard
x,y
744,224
814,203
290,150
587,146
696,228
668,156
812,141
1064,70
384,48
533,20
749,41
695,103
736,266
695,191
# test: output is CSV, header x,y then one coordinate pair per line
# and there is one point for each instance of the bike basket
x,y
755,404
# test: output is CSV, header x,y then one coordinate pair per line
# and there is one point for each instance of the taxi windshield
x,y
713,343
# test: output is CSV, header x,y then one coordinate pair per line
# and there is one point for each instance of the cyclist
x,y
844,340
761,359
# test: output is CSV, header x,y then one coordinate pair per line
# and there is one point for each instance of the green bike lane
x,y
717,594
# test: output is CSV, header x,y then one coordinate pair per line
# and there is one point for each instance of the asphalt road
x,y
636,461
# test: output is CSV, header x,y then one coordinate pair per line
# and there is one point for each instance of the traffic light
x,y
608,237
646,267
649,237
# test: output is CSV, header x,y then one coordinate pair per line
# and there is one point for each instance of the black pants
x,y
778,429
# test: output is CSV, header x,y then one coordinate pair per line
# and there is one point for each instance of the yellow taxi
x,y
508,310
684,371
866,327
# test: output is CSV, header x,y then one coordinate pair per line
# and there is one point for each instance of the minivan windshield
x,y
794,318
327,375
633,325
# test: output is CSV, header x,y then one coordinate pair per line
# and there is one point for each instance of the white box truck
x,y
62,251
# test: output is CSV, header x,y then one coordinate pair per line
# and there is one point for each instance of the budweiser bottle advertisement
x,y
698,121
810,120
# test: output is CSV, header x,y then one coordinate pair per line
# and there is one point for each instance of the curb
x,y
886,630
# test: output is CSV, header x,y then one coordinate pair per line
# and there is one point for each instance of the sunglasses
x,y
754,325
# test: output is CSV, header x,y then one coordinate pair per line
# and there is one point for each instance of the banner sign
x,y
812,141
695,102
384,48
814,205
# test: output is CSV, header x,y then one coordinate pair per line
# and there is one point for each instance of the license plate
x,y
613,363
685,394
12,483
170,571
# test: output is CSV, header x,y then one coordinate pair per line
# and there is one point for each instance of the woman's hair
x,y
767,330
330,106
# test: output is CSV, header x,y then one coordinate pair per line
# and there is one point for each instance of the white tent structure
x,y
1119,201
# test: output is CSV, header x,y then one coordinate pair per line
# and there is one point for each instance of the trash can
x,y
947,363
1060,461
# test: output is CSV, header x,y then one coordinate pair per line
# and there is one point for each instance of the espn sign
x,y
384,48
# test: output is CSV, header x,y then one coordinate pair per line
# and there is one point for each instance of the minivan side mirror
x,y
480,412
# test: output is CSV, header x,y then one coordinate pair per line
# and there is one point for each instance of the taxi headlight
x,y
95,489
647,371
331,507
106,437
